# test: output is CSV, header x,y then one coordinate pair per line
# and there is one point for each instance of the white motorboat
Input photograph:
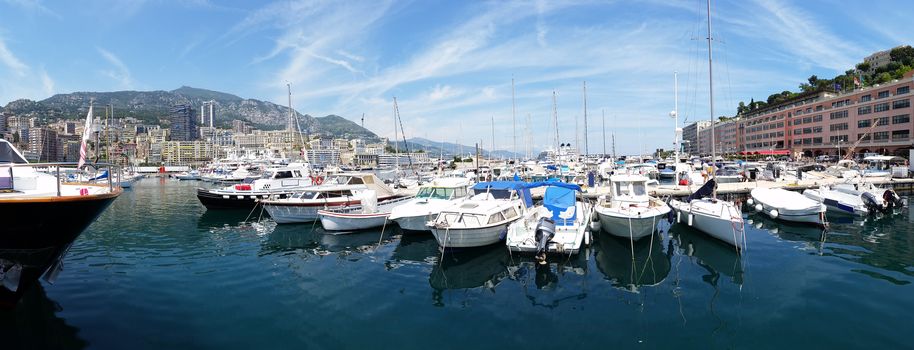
x,y
728,173
838,201
482,219
630,212
559,225
717,218
370,214
415,214
188,175
876,199
782,204
340,190
129,178
275,183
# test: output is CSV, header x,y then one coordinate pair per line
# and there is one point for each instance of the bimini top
x,y
9,154
560,200
522,188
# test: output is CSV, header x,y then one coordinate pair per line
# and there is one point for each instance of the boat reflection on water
x,y
213,219
713,255
414,249
291,238
547,277
650,266
34,324
469,268
811,236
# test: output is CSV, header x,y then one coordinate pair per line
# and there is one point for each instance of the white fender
x,y
773,213
750,201
690,219
678,217
759,207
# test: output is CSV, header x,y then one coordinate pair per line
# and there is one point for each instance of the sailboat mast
x,y
586,145
603,111
676,116
711,86
711,102
514,122
492,153
555,124
396,137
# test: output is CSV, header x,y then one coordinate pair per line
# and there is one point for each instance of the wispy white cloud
x,y
11,61
33,6
47,83
119,71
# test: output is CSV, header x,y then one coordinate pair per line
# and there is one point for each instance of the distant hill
x,y
153,106
450,149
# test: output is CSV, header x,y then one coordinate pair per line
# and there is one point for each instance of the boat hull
x,y
618,225
238,200
35,243
351,222
418,223
813,214
469,237
713,220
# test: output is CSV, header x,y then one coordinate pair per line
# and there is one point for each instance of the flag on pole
x,y
86,132
856,81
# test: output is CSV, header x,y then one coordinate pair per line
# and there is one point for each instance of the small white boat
x,y
188,175
717,218
876,199
782,204
482,219
129,178
559,225
630,212
837,201
337,191
370,214
441,193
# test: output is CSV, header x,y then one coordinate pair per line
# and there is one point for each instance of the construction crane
x,y
850,150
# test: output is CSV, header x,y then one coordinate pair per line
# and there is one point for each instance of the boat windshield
x,y
435,193
631,188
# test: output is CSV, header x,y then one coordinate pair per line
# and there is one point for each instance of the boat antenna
x,y
555,122
513,122
603,111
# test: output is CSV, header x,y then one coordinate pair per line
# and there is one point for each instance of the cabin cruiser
x,y
42,215
336,191
876,199
482,219
785,205
558,225
630,212
717,218
431,199
275,183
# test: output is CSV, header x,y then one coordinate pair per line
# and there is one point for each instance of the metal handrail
x,y
114,171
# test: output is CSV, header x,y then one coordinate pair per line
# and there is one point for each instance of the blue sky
x,y
449,63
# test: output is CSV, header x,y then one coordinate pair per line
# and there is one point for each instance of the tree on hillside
x,y
903,55
863,67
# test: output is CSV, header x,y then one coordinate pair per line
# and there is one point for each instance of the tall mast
x,y
514,122
676,116
586,145
711,100
396,144
492,153
555,124
604,132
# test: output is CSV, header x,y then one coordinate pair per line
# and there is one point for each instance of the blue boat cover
x,y
560,201
522,188
102,176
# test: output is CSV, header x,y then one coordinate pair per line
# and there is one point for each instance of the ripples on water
x,y
159,271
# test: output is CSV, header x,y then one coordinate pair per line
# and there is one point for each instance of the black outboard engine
x,y
891,200
545,230
872,205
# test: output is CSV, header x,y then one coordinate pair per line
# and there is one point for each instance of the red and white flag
x,y
856,81
86,132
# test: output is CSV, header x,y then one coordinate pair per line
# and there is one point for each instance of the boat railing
x,y
60,170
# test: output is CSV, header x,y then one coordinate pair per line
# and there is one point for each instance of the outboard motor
x,y
891,200
872,205
545,230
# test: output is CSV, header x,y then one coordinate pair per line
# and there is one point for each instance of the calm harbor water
x,y
157,270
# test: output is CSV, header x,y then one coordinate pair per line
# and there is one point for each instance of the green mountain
x,y
153,107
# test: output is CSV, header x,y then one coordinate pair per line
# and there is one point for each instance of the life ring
x,y
317,180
